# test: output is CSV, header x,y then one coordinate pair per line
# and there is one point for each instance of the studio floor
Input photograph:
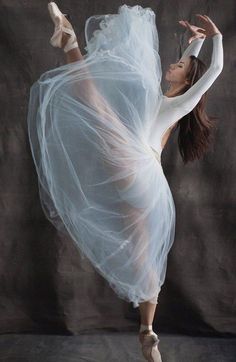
x,y
112,347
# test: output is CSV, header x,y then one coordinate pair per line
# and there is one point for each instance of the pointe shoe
x,y
59,21
149,341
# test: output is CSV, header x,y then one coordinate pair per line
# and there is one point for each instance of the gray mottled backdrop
x,y
45,285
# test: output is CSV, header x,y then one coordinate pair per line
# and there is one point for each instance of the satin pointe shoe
x,y
149,341
62,25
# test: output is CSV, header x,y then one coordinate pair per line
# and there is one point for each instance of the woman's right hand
x,y
210,29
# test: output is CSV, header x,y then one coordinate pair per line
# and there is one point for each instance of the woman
x,y
97,127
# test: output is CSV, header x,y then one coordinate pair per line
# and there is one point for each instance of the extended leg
x,y
87,90
102,106
147,309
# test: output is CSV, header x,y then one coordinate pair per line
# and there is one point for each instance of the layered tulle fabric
x,y
99,180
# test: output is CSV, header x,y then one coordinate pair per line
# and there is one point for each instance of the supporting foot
x,y
149,341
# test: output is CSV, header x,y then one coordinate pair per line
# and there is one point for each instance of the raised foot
x,y
64,36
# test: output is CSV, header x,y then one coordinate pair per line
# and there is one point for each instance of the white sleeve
x,y
193,48
187,101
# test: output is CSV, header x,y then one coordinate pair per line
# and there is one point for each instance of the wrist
x,y
216,33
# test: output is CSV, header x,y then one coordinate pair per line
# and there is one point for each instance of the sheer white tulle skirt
x,y
99,179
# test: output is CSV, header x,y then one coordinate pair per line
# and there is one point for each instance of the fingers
x,y
200,29
204,17
209,19
182,22
191,39
185,23
193,28
201,17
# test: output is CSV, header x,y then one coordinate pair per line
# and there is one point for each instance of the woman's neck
x,y
173,91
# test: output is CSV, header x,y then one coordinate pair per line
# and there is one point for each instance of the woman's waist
x,y
157,154
154,152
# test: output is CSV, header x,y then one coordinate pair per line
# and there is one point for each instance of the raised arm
x,y
187,101
193,48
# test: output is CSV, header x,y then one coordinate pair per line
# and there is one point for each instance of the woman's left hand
x,y
194,29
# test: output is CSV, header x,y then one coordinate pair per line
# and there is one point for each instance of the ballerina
x,y
97,127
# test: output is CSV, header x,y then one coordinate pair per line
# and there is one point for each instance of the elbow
x,y
217,69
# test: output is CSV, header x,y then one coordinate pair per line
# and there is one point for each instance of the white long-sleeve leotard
x,y
174,108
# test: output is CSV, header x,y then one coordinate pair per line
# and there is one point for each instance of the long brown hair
x,y
196,127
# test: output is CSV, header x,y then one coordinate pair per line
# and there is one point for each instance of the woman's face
x,y
177,72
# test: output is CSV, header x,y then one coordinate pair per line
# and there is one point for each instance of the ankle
x,y
65,39
73,55
70,40
145,327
